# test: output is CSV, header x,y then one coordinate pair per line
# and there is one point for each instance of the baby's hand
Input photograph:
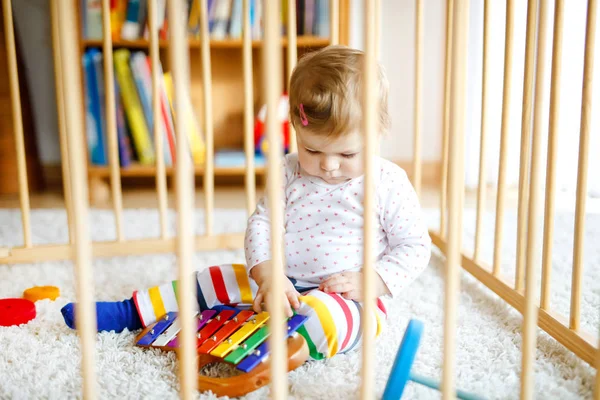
x,y
350,285
260,274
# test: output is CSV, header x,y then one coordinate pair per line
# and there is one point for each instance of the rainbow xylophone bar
x,y
236,336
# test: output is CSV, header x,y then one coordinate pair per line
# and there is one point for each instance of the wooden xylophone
x,y
234,336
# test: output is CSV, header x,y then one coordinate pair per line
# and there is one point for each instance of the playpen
x,y
521,294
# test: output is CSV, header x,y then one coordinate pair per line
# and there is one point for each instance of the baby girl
x,y
323,221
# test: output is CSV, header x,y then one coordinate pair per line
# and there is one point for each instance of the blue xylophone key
x,y
257,356
261,353
159,328
220,307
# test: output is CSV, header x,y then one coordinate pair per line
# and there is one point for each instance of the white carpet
x,y
41,359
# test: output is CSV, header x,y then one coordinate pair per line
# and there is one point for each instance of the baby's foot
x,y
111,316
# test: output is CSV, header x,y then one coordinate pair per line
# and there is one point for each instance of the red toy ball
x,y
16,311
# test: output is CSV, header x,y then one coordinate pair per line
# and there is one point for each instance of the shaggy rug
x,y
42,358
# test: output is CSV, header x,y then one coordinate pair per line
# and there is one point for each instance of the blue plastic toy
x,y
405,358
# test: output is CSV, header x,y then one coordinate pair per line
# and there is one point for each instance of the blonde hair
x,y
328,86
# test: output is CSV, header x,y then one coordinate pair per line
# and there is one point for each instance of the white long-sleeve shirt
x,y
323,227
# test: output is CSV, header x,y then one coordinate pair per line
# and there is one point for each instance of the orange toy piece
x,y
41,292
16,311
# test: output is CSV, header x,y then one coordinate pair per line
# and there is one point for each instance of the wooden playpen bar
x,y
522,296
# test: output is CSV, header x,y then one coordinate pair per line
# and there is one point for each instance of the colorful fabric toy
x,y
261,146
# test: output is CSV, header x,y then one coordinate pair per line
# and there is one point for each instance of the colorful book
x,y
129,18
256,18
131,27
309,16
98,60
137,61
92,19
125,153
195,141
166,113
142,17
141,72
133,108
321,22
194,18
221,21
235,27
94,116
225,158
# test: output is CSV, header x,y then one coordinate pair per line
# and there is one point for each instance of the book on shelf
x,y
129,18
134,111
234,158
134,115
193,133
142,75
94,106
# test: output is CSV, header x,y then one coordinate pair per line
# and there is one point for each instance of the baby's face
x,y
333,160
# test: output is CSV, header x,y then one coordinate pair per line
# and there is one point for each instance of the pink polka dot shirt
x,y
323,227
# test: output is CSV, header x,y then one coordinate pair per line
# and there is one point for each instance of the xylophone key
x,y
169,334
248,346
159,328
262,352
227,330
202,319
246,330
213,325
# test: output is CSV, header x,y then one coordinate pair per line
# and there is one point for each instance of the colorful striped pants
x,y
334,324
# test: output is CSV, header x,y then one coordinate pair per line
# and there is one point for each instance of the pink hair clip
x,y
303,115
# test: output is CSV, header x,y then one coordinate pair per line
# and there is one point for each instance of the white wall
x,y
397,57
494,91
569,109
570,105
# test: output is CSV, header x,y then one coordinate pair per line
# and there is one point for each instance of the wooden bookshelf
x,y
302,41
138,170
227,87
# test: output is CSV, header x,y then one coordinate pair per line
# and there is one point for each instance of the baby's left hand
x,y
350,285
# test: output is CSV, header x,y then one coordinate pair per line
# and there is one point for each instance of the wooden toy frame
x,y
521,294
242,384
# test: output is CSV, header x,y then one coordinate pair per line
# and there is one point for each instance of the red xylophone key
x,y
227,330
213,325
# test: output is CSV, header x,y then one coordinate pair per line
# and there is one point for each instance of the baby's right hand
x,y
260,273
